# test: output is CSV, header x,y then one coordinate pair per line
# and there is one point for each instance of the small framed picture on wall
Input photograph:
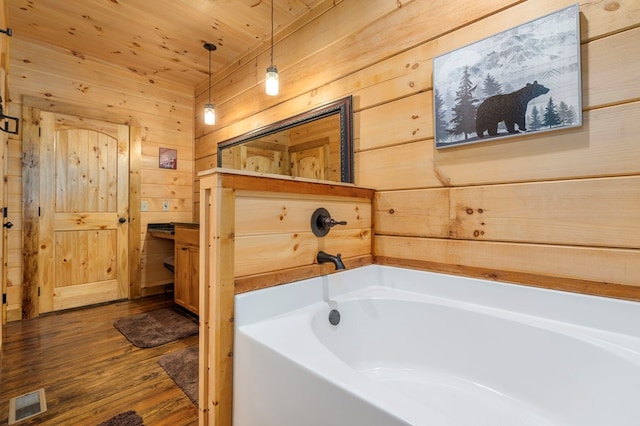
x,y
168,158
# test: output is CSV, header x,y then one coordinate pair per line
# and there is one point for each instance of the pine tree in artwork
x,y
563,109
534,119
440,121
572,117
464,110
551,117
490,86
567,114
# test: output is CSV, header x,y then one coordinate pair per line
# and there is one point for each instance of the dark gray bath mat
x,y
155,328
182,367
129,418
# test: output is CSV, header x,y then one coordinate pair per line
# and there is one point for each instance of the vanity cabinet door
x,y
193,293
182,275
186,290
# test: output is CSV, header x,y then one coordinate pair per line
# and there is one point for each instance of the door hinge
x,y
38,211
4,298
5,211
38,291
39,132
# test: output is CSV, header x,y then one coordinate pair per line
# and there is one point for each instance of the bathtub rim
x,y
521,299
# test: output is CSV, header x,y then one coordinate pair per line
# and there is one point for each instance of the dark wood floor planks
x,y
89,371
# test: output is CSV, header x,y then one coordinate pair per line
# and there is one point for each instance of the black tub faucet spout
x,y
323,257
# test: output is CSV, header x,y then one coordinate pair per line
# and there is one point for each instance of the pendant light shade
x,y
209,114
209,108
271,80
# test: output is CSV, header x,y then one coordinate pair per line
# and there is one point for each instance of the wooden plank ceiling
x,y
155,38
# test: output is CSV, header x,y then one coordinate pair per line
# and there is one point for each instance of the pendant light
x,y
271,81
209,109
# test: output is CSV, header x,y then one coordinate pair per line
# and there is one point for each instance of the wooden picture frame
x,y
523,80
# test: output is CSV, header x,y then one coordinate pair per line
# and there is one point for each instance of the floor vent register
x,y
28,405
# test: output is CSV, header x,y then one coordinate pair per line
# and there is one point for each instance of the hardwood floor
x,y
89,371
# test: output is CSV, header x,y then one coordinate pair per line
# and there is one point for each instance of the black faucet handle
x,y
322,222
331,222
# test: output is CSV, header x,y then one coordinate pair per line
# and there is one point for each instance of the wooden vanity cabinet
x,y
186,260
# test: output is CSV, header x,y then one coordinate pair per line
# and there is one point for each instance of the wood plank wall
x,y
58,80
557,210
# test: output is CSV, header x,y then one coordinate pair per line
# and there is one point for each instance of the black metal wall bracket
x,y
7,31
6,128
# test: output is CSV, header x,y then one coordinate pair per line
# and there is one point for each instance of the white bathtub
x,y
418,348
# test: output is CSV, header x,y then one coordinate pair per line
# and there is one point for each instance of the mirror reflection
x,y
316,144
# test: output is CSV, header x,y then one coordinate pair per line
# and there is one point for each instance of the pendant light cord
x,y
272,33
209,76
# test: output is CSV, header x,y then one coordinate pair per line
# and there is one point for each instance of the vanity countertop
x,y
161,233
167,230
193,225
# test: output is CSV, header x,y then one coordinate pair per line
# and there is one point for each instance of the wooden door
x,y
3,205
310,163
83,212
261,158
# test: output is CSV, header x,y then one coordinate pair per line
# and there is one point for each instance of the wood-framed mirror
x,y
316,144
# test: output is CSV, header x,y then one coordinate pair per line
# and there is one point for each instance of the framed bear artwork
x,y
523,80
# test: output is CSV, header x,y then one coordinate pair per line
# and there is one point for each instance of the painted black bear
x,y
510,108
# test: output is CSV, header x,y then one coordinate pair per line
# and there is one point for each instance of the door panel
x,y
84,212
86,171
311,159
309,163
74,259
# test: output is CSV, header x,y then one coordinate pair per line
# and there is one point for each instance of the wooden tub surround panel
x,y
255,232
